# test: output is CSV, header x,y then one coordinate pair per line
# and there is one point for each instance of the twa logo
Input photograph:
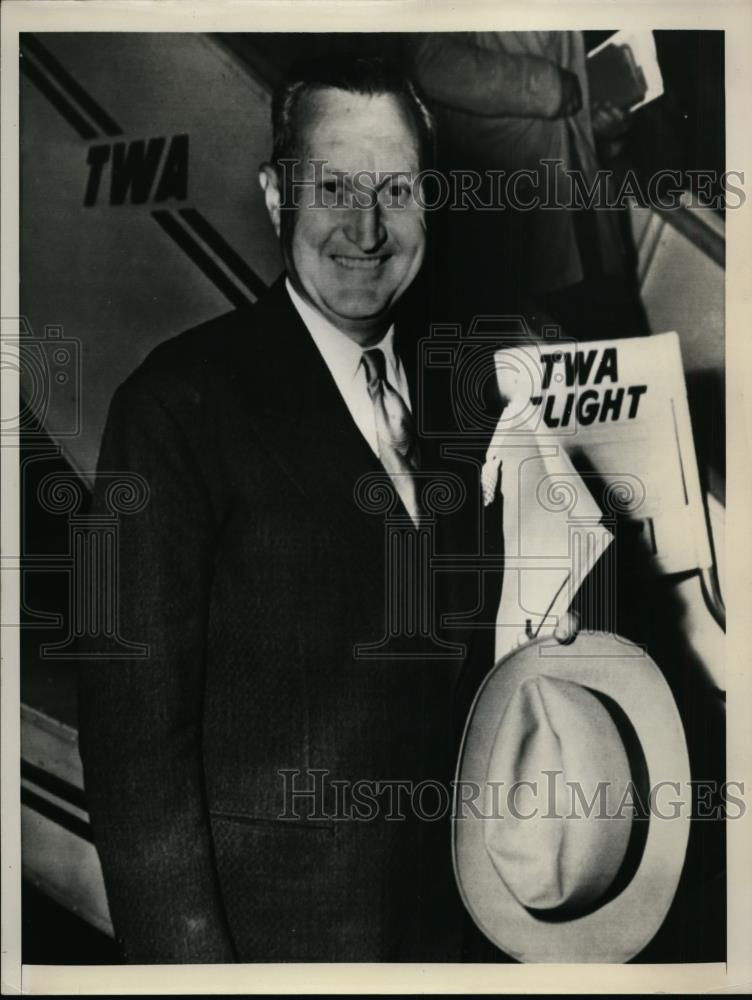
x,y
139,171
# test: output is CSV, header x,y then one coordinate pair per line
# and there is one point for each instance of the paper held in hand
x,y
553,536
617,412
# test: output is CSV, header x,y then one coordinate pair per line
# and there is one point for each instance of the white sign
x,y
608,412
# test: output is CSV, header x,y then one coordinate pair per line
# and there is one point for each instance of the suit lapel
x,y
301,416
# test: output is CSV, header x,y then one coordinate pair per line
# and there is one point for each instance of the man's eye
x,y
330,187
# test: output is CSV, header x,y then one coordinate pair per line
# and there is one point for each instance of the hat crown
x,y
561,764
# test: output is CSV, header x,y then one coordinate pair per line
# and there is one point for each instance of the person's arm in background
x,y
455,72
140,719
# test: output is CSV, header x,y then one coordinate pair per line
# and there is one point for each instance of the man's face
x,y
353,251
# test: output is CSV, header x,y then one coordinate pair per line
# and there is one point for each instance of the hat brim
x,y
624,925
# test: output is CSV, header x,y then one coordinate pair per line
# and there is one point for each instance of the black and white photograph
x,y
366,556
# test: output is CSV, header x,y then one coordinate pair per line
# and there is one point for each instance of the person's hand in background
x,y
571,95
610,126
609,122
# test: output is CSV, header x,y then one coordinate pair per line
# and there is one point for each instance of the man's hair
x,y
369,75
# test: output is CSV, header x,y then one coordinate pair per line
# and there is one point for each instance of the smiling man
x,y
253,782
356,154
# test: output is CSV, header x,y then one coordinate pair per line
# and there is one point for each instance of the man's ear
x,y
269,181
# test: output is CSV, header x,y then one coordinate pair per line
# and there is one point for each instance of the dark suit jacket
x,y
252,574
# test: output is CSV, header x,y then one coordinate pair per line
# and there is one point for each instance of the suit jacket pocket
x,y
285,885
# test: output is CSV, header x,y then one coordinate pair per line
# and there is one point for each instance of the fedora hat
x,y
572,802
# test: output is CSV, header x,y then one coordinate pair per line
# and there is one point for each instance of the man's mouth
x,y
360,263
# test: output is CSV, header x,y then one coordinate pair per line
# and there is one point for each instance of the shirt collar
x,y
340,352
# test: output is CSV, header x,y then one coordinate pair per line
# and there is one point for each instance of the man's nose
x,y
366,227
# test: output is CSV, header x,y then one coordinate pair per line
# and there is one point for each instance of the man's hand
x,y
568,628
565,632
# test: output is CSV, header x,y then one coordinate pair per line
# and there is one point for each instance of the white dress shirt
x,y
342,357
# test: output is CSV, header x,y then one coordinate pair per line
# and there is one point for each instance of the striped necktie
x,y
398,447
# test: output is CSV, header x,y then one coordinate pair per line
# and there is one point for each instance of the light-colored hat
x,y
560,743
